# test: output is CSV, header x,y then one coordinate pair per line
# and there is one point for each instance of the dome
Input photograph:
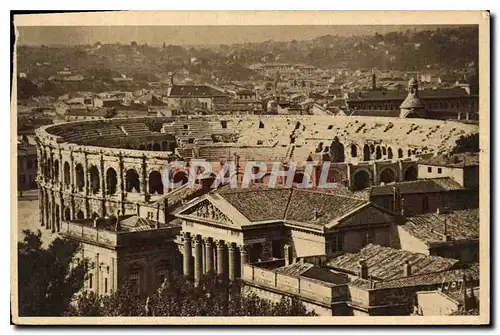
x,y
412,101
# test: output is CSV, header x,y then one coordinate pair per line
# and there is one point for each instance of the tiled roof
x,y
460,225
195,91
387,263
313,208
381,113
433,278
456,160
311,271
417,186
401,94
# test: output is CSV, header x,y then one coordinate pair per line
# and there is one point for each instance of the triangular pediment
x,y
205,210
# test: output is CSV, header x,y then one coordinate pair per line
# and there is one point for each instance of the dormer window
x,y
261,125
259,142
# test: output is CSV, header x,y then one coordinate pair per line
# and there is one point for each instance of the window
x,y
223,124
261,125
105,285
186,126
369,237
440,170
335,245
429,169
425,204
385,203
259,142
22,178
91,277
29,164
330,127
134,281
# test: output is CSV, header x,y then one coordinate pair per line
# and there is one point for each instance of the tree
x,y
178,296
48,278
468,143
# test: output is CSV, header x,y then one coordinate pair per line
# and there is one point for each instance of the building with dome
x,y
412,106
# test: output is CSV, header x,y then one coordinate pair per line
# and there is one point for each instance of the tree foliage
x,y
179,297
469,143
48,278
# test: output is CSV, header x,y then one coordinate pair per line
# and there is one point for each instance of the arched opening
x,y
335,176
132,183
94,179
67,174
378,153
80,215
387,176
56,170
67,214
111,181
400,153
80,177
155,183
366,153
209,180
361,180
384,151
409,153
156,147
149,146
411,173
372,148
337,151
389,153
298,178
180,177
354,150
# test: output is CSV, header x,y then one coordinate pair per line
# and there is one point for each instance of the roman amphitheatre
x,y
100,168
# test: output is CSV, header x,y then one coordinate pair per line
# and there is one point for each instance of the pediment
x,y
205,210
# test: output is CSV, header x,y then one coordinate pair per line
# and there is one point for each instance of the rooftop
x,y
312,271
417,186
460,225
456,160
195,91
386,263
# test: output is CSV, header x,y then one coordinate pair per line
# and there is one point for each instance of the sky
x,y
189,35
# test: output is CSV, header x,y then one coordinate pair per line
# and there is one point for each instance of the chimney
x,y
446,235
362,269
165,209
171,78
157,215
395,199
288,254
406,269
118,226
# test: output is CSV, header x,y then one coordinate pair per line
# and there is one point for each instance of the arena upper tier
x,y
97,168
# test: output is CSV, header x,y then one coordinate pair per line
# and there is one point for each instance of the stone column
x,y
103,178
86,175
72,173
97,273
187,255
209,256
375,175
198,261
221,260
61,171
233,262
243,258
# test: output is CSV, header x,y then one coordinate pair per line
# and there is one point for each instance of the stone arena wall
x,y
83,170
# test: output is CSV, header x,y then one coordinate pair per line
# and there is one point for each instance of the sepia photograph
x,y
251,168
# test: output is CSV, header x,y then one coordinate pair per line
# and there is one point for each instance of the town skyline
x,y
198,35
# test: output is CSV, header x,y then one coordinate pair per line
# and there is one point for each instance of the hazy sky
x,y
179,35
